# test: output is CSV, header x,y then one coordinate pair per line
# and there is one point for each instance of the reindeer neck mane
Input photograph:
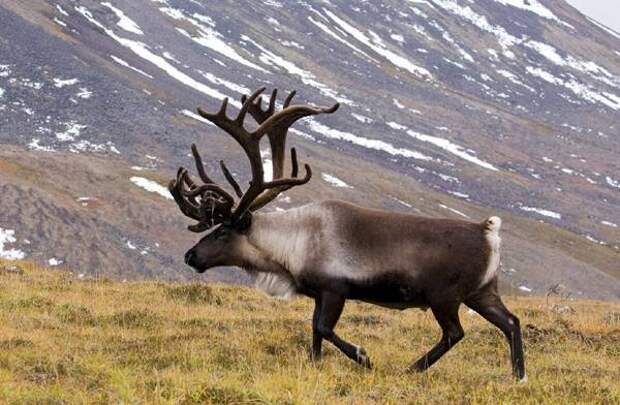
x,y
282,238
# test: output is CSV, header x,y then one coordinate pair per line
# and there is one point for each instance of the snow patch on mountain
x,y
306,77
209,37
504,39
71,132
535,7
338,38
124,22
457,212
368,143
225,83
444,144
35,144
60,83
362,118
151,186
60,22
141,50
334,181
541,211
127,65
61,10
7,236
84,93
612,182
376,44
514,79
584,91
551,54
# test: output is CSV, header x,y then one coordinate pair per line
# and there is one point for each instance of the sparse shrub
x,y
533,313
367,320
14,343
222,395
135,318
342,389
298,338
227,357
69,313
612,318
160,361
193,294
41,370
33,302
11,269
274,350
196,323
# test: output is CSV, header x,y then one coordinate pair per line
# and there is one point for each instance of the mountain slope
x,y
452,108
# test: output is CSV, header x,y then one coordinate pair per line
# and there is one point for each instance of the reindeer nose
x,y
189,256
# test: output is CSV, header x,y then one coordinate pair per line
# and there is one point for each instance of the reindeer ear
x,y
243,223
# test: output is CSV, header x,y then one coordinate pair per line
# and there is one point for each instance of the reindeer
x,y
332,251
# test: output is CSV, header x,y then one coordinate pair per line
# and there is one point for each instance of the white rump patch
x,y
492,236
493,224
275,285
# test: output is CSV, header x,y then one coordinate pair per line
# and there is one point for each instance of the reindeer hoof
x,y
362,357
523,380
315,357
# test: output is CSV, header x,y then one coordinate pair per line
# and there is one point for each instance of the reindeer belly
x,y
392,290
388,290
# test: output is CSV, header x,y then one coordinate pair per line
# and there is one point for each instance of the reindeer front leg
x,y
327,311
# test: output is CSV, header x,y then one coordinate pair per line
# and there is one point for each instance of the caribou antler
x,y
277,143
215,204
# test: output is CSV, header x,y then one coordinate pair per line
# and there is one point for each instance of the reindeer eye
x,y
220,233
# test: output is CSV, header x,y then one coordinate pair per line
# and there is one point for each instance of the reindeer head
x,y
212,206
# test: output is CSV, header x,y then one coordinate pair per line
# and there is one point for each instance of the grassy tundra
x,y
64,340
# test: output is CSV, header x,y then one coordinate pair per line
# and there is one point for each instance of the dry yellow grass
x,y
64,340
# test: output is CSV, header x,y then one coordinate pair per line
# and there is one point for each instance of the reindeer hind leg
x,y
447,315
490,306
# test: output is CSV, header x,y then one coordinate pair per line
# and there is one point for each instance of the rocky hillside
x,y
448,108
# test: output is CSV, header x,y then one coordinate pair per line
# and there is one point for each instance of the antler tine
x,y
200,166
289,115
256,110
289,98
272,102
288,183
176,189
231,179
278,186
294,165
246,104
276,127
207,180
233,127
220,192
214,204
220,114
